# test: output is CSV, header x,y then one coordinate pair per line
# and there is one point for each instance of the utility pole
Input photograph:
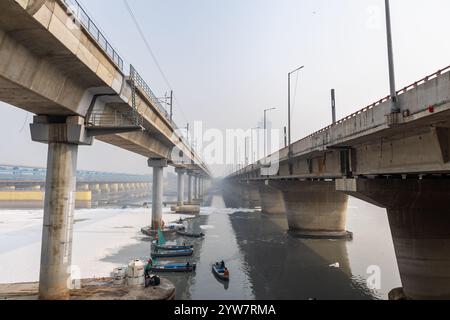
x,y
289,109
171,105
246,151
394,105
333,105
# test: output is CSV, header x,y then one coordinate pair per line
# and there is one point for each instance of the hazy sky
x,y
227,60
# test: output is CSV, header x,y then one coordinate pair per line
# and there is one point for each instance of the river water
x,y
264,260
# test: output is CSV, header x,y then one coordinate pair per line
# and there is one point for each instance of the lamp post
x,y
265,130
394,105
289,108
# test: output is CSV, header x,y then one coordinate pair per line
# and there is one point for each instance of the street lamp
x,y
265,130
289,107
394,106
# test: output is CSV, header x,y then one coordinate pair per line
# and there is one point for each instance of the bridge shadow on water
x,y
282,267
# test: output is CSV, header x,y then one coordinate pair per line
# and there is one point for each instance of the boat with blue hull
x,y
173,247
172,254
221,272
181,267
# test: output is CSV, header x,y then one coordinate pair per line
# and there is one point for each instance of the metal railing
x,y
377,103
114,119
139,82
74,8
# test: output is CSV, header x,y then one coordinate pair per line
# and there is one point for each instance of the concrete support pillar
x,y
202,188
56,251
95,188
195,193
83,187
158,166
114,187
272,201
104,187
190,193
418,212
314,209
180,186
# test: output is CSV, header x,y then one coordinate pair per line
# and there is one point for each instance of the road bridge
x,y
398,161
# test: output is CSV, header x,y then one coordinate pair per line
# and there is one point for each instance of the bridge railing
x,y
114,119
79,13
83,18
139,82
377,103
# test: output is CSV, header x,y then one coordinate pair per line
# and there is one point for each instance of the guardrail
x,y
139,82
75,9
375,104
114,119
83,18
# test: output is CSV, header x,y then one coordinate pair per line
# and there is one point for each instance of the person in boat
x,y
148,268
222,265
226,273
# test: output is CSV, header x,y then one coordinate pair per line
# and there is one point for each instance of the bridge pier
x,y
314,209
158,166
180,186
272,201
190,186
419,217
63,139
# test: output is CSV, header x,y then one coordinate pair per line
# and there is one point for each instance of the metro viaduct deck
x,y
56,64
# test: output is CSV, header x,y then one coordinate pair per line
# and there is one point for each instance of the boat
x,y
220,272
181,267
148,231
176,226
171,254
191,234
173,248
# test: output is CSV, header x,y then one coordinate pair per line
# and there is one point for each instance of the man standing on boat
x,y
148,268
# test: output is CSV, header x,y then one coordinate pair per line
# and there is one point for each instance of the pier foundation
x,y
314,209
272,201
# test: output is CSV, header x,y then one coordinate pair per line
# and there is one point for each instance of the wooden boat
x,y
172,254
191,234
219,272
173,248
182,267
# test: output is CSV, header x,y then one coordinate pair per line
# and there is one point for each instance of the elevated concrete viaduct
x,y
398,161
56,64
